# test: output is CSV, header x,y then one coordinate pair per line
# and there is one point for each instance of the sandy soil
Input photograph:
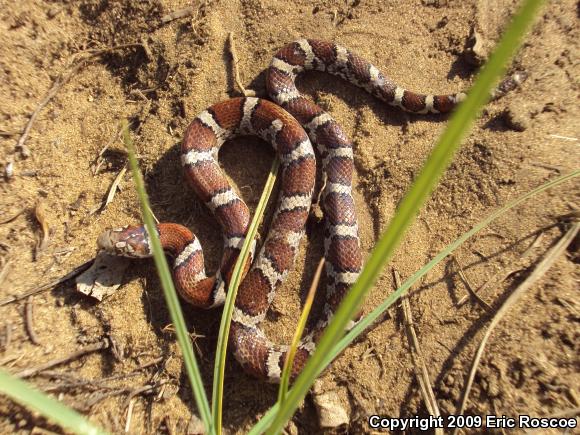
x,y
531,365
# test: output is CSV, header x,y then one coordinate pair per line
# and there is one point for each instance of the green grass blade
x,y
459,124
222,345
169,289
287,370
365,322
52,409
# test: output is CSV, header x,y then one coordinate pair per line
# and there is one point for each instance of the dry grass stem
x,y
114,187
504,274
177,14
40,214
549,259
29,320
59,361
59,83
13,217
417,356
75,272
469,287
235,70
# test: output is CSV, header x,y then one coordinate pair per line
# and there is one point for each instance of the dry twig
x,y
59,83
538,272
4,271
74,382
235,70
98,162
11,218
114,187
29,320
77,271
7,336
40,214
58,361
417,356
175,15
503,275
132,393
7,133
469,287
129,415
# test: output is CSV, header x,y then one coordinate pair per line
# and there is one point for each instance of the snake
x,y
291,123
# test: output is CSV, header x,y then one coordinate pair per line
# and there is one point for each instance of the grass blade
x,y
222,345
169,289
22,393
368,320
459,124
287,370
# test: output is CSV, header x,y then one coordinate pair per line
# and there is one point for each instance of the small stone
x,y
331,412
449,380
434,3
53,12
24,151
475,52
195,426
9,170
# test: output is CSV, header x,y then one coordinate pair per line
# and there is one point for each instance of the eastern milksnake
x,y
283,126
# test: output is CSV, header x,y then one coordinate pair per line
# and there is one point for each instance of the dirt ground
x,y
170,71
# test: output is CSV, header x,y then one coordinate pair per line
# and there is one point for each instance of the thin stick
x,y
77,271
114,187
98,51
73,382
11,218
59,83
235,70
29,320
417,356
7,336
179,13
58,361
143,389
99,159
538,272
4,271
469,287
40,214
503,274
129,416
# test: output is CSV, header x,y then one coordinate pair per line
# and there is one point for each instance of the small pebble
x,y
195,426
434,3
475,53
24,151
331,412
9,170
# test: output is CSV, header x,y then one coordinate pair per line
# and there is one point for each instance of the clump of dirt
x,y
159,72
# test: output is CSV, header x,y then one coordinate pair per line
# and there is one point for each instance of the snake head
x,y
131,242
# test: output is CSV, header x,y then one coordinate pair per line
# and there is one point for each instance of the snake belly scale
x,y
291,126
